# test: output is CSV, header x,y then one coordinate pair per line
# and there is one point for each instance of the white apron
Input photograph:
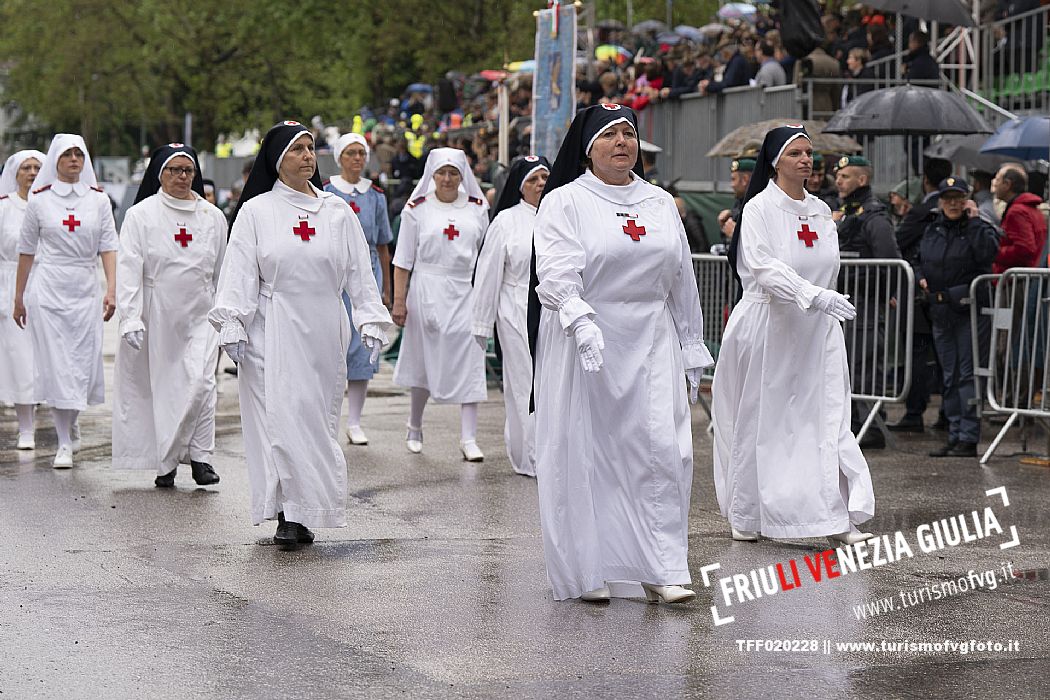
x,y
614,452
289,260
164,394
785,461
439,243
66,227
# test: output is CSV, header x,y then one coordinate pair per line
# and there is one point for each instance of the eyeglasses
x,y
181,172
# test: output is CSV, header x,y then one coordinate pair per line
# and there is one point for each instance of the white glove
x,y
373,338
692,375
483,342
135,338
236,351
589,343
835,305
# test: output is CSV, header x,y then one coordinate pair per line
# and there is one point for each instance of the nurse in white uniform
x,y
16,347
442,228
501,295
786,464
68,226
619,337
172,243
293,251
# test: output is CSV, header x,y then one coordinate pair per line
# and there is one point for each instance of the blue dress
x,y
369,203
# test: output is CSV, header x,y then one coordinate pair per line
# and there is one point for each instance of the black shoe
x,y
873,440
963,449
907,424
941,423
290,534
203,474
166,481
944,450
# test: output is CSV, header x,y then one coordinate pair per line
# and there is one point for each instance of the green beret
x,y
846,161
818,160
746,165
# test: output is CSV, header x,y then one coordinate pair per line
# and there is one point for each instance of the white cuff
x,y
482,329
695,355
805,295
232,332
571,310
130,325
374,330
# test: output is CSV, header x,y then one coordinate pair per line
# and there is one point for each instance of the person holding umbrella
x,y
785,460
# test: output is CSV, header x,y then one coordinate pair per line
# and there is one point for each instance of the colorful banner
x,y
554,82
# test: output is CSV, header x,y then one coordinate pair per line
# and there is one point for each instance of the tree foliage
x,y
124,74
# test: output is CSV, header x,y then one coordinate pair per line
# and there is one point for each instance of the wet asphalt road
x,y
110,588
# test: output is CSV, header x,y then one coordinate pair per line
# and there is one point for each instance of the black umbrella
x,y
908,110
610,24
966,150
947,11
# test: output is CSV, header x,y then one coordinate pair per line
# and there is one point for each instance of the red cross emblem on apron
x,y
806,235
634,230
353,205
451,231
303,230
183,238
71,222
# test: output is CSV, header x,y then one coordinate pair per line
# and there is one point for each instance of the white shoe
x,y
74,435
852,537
63,457
414,441
355,435
26,441
598,595
668,594
471,451
745,535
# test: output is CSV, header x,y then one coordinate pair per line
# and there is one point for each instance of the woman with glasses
x,y
172,244
68,224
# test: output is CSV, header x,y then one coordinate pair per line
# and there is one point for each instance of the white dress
x,y
501,295
439,243
785,461
16,344
66,227
290,258
614,450
164,394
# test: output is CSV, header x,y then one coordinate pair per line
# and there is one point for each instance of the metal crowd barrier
x,y
1015,374
878,341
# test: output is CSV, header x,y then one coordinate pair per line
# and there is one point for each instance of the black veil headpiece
x,y
158,159
265,171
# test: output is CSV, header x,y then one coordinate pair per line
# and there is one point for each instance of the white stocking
x,y
468,421
356,390
24,411
419,402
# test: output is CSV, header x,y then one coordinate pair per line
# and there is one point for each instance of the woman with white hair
x,y
68,224
16,347
441,231
368,202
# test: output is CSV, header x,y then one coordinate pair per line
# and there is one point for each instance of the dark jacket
x,y
919,65
1024,234
866,229
735,75
911,228
953,253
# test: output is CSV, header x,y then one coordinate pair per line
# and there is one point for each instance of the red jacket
x,y
1024,234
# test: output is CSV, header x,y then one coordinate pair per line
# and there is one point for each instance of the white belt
x,y
454,273
757,297
265,289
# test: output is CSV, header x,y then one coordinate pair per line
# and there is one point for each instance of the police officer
x,y
649,153
864,230
740,178
957,246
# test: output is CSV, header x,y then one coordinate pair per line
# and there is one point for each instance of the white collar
x,y
64,189
298,199
360,187
180,204
528,207
17,201
638,190
810,206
